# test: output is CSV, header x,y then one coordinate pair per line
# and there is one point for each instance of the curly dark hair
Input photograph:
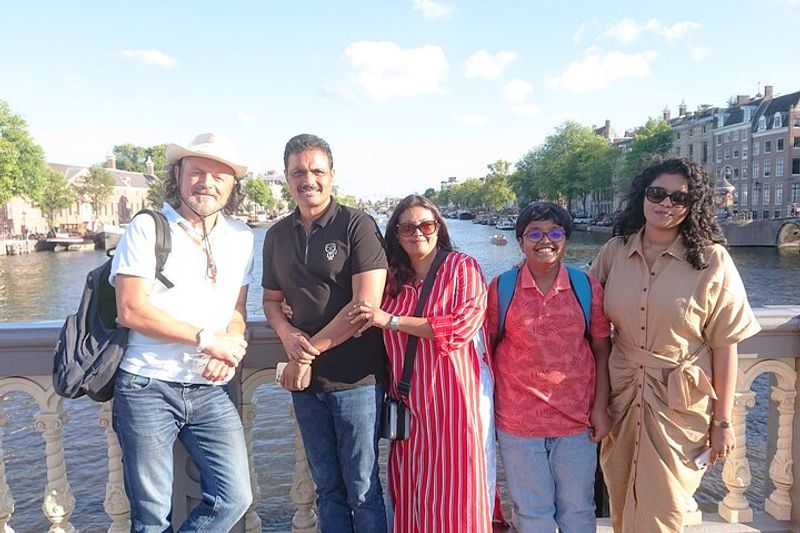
x,y
698,229
544,211
400,271
172,194
306,142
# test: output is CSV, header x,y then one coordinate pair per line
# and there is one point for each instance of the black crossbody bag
x,y
395,417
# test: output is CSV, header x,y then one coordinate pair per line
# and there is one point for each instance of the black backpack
x,y
91,344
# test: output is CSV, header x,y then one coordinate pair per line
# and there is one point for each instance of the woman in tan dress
x,y
679,309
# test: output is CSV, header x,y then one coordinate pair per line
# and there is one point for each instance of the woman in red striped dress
x,y
438,477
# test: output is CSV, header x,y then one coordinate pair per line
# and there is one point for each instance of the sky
x,y
407,92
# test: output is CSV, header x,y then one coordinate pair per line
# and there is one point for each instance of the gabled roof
x,y
122,178
779,104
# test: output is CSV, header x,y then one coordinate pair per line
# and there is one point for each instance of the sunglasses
x,y
407,229
555,235
658,194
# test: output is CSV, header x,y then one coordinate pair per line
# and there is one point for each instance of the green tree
x,y
496,192
95,188
347,199
54,194
259,191
132,158
287,196
430,193
651,139
22,167
157,193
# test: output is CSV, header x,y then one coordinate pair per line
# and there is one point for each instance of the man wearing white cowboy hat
x,y
184,342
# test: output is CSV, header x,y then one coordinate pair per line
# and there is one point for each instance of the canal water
x,y
46,286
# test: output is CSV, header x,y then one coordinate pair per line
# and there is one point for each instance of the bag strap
x,y
506,285
163,244
404,387
582,289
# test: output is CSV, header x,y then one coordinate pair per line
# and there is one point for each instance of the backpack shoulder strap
x,y
506,284
163,244
582,288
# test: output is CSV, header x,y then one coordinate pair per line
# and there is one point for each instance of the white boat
x,y
506,223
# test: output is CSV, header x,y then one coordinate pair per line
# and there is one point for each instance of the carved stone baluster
x,y
252,522
116,502
59,503
6,500
303,489
736,472
779,503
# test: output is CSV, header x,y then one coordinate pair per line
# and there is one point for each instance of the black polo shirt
x,y
315,275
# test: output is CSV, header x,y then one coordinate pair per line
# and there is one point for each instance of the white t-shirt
x,y
194,298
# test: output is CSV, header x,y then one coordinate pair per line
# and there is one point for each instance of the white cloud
x,y
473,119
628,30
433,9
526,110
482,64
244,117
577,38
597,70
385,71
516,91
152,57
698,53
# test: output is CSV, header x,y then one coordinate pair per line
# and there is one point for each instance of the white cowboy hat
x,y
209,146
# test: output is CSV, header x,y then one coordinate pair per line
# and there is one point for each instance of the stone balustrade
x,y
26,362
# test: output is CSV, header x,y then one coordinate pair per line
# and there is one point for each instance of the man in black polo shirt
x,y
324,259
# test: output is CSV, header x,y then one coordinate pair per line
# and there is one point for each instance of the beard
x,y
205,206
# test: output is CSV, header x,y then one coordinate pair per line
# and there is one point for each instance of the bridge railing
x,y
26,362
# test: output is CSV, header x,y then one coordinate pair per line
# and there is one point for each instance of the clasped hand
x,y
370,315
225,353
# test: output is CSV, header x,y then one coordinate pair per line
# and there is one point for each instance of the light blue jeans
x,y
551,481
340,432
149,415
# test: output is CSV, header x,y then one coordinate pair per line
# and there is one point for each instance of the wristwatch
x,y
721,423
394,323
204,339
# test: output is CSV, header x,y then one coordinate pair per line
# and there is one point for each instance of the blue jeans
x,y
551,481
149,415
340,432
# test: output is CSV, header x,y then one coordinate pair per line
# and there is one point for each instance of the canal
x,y
46,286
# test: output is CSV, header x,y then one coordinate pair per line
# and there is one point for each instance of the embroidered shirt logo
x,y
330,250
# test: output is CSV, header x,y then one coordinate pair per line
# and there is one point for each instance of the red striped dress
x,y
438,478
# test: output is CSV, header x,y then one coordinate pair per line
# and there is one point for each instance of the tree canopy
x,y
259,192
132,158
23,170
95,188
651,139
54,194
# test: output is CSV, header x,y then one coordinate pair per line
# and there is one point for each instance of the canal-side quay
x,y
26,362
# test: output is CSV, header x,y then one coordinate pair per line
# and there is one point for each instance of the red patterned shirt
x,y
543,366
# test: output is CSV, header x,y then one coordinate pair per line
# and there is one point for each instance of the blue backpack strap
x,y
506,284
582,288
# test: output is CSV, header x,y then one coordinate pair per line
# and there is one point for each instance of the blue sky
x,y
407,92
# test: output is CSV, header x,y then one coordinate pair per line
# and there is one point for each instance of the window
x,y
796,165
767,168
755,169
796,142
762,123
691,132
744,151
744,171
779,147
719,156
777,121
779,167
776,213
767,147
727,152
797,122
778,193
756,194
745,191
736,172
728,137
756,147
736,193
735,153
744,132
678,151
705,152
766,196
736,135
691,151
794,195
766,214
677,136
719,140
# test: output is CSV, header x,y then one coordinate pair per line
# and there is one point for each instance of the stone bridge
x,y
744,231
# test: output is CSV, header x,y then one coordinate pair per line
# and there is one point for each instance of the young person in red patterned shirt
x,y
551,377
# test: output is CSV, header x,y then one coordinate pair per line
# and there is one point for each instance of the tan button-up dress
x,y
667,320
